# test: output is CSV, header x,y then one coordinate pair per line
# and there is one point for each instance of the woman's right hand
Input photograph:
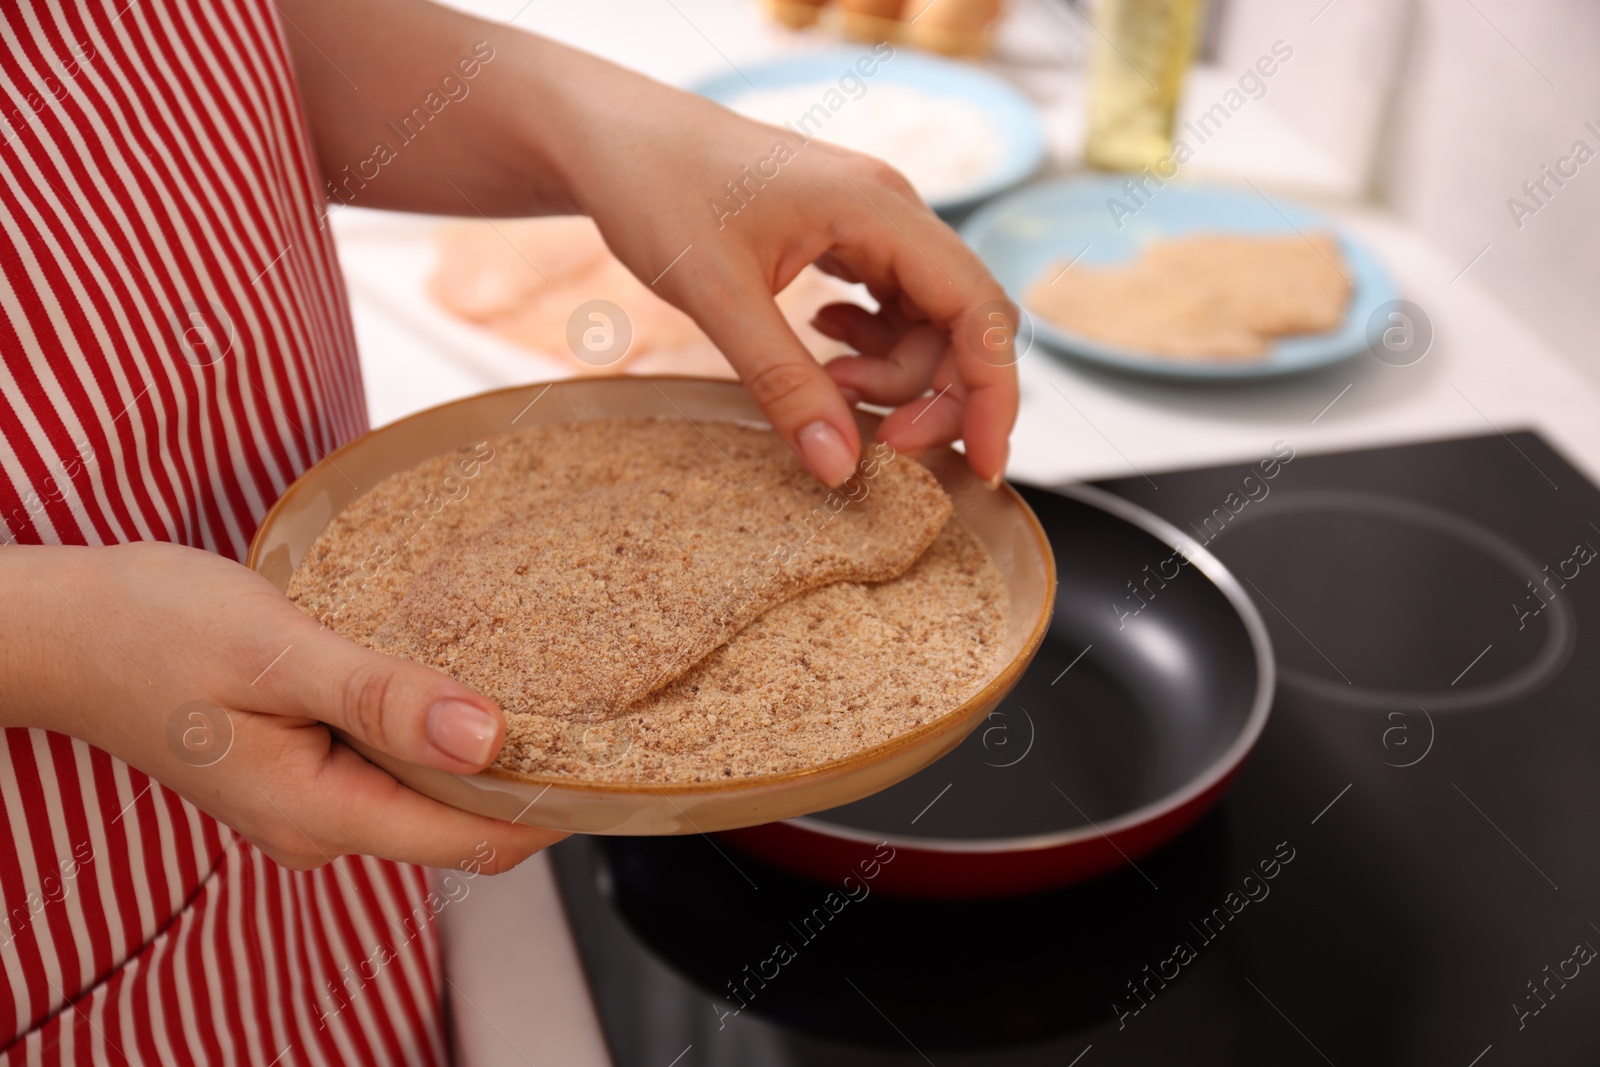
x,y
135,648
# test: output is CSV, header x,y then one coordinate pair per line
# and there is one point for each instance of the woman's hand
x,y
201,674
719,213
538,128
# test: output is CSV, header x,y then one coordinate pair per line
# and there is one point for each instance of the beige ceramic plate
x,y
998,518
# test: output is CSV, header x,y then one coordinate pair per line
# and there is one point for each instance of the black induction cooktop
x,y
1425,796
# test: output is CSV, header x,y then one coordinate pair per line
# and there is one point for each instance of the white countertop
x,y
517,991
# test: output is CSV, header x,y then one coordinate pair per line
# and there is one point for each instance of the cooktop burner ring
x,y
1560,635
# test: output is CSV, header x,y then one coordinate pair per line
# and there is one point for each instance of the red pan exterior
x,y
950,874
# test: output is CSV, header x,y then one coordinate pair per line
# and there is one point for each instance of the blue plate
x,y
1012,115
1021,235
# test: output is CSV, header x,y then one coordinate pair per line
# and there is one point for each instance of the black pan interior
x,y
1146,677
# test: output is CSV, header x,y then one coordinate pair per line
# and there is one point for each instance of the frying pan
x,y
1153,683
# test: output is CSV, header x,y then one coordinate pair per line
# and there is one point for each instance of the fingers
x,y
990,412
395,706
799,399
921,379
854,325
891,242
902,372
829,265
354,808
929,420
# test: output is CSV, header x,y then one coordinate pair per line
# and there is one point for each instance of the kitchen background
x,y
1412,124
1438,110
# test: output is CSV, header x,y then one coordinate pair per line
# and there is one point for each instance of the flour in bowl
x,y
944,145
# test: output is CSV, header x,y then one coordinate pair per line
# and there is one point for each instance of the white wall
x,y
1474,119
1346,54
1441,109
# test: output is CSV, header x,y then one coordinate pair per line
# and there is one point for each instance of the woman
x,y
177,349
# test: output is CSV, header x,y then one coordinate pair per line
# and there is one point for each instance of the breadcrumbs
x,y
653,600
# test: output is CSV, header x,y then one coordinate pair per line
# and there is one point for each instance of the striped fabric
x,y
175,348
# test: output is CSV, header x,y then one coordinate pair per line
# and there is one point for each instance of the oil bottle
x,y
1136,69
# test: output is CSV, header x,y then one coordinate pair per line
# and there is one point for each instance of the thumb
x,y
798,397
398,707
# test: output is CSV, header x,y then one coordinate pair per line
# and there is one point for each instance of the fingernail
x,y
1000,472
825,452
851,397
462,731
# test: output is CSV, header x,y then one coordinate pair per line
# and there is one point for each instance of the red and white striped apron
x,y
176,349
